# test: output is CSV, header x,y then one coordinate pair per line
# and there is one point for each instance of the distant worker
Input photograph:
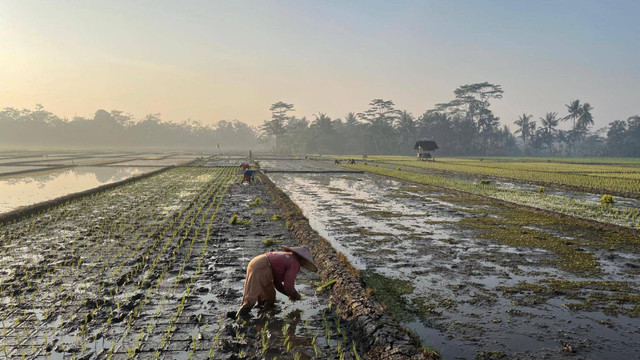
x,y
248,175
273,271
245,165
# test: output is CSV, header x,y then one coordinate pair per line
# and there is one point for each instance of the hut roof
x,y
425,145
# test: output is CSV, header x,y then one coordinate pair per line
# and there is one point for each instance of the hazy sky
x,y
214,60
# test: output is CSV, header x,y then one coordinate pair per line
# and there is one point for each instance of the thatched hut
x,y
425,148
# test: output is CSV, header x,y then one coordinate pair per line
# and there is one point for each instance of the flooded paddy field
x,y
475,278
622,212
27,189
28,178
149,270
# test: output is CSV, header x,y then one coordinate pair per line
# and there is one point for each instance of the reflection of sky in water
x,y
27,190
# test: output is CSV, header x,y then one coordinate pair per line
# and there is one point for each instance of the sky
x,y
225,60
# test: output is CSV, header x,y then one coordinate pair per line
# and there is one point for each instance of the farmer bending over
x,y
248,175
273,271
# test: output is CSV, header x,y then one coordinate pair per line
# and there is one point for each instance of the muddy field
x,y
474,278
149,270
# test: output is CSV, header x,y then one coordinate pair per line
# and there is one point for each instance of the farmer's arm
x,y
278,285
290,279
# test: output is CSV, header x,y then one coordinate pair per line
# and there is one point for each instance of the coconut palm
x,y
575,109
526,127
585,119
548,132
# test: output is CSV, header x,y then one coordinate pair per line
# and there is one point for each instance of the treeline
x,y
116,129
464,126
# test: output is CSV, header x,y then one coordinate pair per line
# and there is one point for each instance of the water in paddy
x,y
8,170
413,236
27,189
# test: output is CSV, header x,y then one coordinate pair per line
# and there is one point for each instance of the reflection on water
x,y
7,170
27,190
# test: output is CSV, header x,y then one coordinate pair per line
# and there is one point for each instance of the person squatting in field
x,y
273,271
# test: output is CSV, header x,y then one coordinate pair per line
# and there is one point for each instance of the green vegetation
x,y
269,242
619,215
235,220
276,217
256,202
620,177
391,293
329,284
570,256
156,221
611,297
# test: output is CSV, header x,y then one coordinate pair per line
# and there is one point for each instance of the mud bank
x,y
380,336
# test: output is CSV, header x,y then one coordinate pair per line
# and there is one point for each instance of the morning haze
x,y
329,179
210,61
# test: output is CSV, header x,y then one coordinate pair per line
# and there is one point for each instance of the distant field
x,y
600,175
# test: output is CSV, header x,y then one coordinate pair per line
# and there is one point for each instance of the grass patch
x,y
390,292
508,230
611,297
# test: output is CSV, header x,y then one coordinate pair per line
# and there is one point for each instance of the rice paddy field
x,y
473,258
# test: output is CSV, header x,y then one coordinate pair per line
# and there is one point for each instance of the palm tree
x,y
575,109
548,132
526,127
585,119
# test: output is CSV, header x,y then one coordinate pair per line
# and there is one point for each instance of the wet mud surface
x,y
149,270
477,279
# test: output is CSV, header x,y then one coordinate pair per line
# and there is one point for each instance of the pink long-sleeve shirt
x,y
285,267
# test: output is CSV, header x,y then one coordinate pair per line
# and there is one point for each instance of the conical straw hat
x,y
304,253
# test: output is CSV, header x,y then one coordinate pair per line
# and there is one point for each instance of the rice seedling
x,y
275,217
268,242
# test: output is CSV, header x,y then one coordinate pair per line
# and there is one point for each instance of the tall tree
x,y
276,126
585,119
380,117
548,132
407,135
574,108
616,137
526,127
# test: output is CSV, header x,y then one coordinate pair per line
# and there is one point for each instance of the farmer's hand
x,y
295,297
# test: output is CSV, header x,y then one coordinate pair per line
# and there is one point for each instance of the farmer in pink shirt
x,y
273,271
